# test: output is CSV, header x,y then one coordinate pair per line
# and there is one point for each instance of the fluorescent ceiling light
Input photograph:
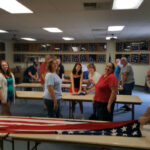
x,y
54,30
68,38
115,28
111,37
14,7
28,39
126,4
3,31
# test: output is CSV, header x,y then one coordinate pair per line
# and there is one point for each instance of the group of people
x,y
105,86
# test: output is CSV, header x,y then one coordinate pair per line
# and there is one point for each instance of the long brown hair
x,y
8,72
49,66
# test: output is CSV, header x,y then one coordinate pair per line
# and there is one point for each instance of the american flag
x,y
62,126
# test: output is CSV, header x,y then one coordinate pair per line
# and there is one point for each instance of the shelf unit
x,y
2,51
136,52
67,52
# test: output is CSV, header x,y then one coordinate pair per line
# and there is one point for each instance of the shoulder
x,y
112,76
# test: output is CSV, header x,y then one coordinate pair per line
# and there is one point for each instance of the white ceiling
x,y
75,21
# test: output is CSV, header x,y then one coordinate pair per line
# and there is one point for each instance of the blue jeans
x,y
102,113
127,89
50,104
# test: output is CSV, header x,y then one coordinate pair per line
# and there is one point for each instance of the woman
x,y
93,79
52,91
7,88
93,76
76,85
105,94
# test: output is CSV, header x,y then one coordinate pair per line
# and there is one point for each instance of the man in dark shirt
x,y
31,73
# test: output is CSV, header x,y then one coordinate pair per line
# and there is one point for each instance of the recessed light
x,y
54,30
14,7
28,39
68,38
3,31
126,4
115,28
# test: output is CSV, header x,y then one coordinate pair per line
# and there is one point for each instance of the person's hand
x,y
55,105
3,101
79,91
143,120
109,108
88,91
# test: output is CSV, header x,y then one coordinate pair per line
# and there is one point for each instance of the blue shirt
x,y
117,72
10,89
33,71
54,80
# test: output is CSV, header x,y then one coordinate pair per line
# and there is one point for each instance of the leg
x,y
81,109
5,111
49,104
58,109
132,111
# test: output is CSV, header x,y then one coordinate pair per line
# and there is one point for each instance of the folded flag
x,y
61,126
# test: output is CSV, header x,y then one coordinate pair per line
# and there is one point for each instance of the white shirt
x,y
95,77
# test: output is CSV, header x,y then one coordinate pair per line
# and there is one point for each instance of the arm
x,y
112,98
92,89
52,94
146,118
36,76
124,78
81,81
72,83
1,97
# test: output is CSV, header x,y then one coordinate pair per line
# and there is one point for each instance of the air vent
x,y
99,30
89,5
98,5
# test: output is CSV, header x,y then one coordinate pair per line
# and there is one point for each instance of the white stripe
x,y
43,121
9,123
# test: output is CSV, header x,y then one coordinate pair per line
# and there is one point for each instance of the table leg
x,y
132,111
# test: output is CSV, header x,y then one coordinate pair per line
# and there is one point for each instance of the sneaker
x,y
127,109
92,117
123,107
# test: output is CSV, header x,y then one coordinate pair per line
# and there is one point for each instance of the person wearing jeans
x,y
52,90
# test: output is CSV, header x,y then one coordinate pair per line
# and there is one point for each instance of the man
x,y
146,118
127,80
43,69
31,73
60,68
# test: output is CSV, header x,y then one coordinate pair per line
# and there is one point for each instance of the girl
x,y
7,88
76,85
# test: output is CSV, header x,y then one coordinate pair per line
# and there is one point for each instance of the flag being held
x,y
61,126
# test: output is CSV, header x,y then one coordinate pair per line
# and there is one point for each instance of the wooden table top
x,y
69,97
38,85
113,141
